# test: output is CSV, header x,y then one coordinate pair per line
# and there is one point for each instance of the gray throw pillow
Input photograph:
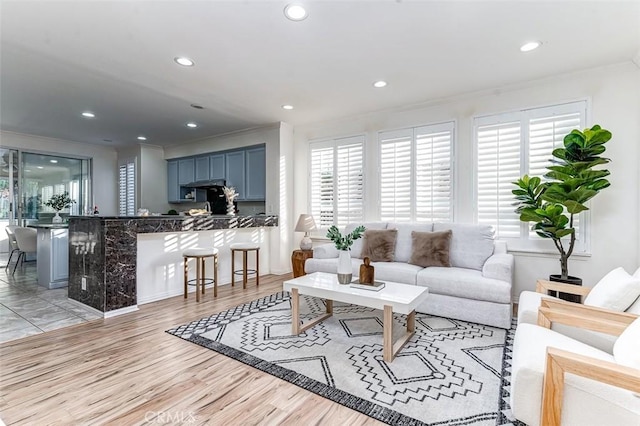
x,y
379,245
430,248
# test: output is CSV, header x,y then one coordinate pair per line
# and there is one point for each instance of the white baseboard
x,y
120,311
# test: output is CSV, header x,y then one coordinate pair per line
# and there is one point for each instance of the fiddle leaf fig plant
x,y
570,182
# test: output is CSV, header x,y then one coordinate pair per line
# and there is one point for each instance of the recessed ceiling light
x,y
192,125
142,138
295,12
184,61
40,167
380,83
287,107
528,47
53,161
88,114
27,170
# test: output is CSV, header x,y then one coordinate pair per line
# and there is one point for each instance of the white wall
x,y
105,178
153,179
614,96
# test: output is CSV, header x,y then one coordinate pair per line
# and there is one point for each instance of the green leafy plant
x,y
572,181
344,242
59,201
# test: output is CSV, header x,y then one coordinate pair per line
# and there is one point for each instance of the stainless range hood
x,y
205,183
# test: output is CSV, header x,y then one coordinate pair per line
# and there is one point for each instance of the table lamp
x,y
305,224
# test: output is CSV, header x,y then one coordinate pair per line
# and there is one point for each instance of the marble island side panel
x,y
103,252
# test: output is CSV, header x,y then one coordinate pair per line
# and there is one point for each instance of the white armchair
x,y
616,291
559,380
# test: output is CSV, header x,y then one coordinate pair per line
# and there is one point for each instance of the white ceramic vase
x,y
344,267
231,209
56,218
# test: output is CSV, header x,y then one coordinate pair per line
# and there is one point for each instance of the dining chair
x,y
27,239
13,244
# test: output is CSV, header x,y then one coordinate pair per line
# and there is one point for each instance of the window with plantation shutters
x,y
127,185
416,174
498,165
336,181
513,144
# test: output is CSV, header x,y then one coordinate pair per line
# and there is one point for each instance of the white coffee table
x,y
394,297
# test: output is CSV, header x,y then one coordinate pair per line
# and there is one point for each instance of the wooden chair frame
x,y
542,286
559,362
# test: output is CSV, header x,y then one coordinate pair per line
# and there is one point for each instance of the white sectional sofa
x,y
476,288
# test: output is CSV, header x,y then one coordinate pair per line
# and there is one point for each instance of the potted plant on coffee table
x,y
343,244
572,180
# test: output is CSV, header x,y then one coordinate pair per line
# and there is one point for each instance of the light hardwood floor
x,y
126,371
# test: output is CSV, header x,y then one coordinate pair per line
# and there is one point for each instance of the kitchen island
x,y
52,254
116,263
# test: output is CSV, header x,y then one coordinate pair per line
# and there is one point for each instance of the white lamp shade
x,y
305,223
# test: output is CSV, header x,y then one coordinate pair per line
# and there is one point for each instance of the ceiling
x,y
115,58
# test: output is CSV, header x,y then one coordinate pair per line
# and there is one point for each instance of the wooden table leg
x,y
387,334
389,349
295,314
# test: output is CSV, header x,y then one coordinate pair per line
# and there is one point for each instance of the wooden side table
x,y
298,257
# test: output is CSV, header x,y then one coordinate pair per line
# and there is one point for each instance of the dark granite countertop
x,y
49,225
173,223
180,217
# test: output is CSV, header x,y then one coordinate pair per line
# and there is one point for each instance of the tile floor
x,y
27,308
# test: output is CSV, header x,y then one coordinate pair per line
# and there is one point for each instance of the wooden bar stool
x,y
245,248
200,255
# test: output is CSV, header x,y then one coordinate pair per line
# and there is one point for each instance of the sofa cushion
x,y
379,245
404,243
430,248
626,350
465,283
471,245
356,248
398,272
616,291
635,307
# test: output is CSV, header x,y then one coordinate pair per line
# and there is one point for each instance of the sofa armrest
x,y
499,267
325,251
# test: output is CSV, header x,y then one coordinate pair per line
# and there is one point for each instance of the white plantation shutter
x,y
416,174
395,176
433,174
336,181
127,185
321,169
349,173
510,145
498,164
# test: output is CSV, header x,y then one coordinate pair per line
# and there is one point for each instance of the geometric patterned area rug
x,y
450,372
